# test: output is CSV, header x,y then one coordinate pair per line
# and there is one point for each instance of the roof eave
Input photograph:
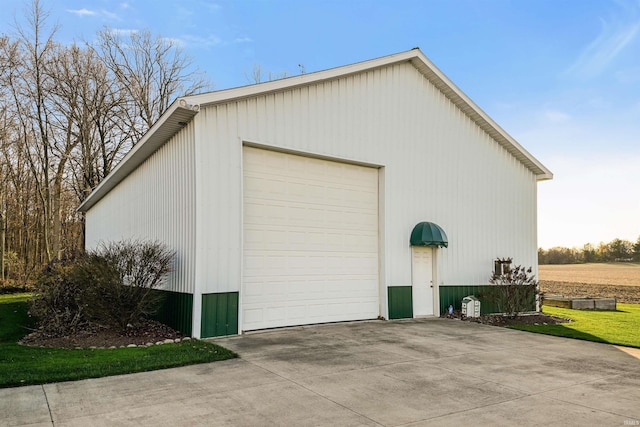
x,y
177,116
475,113
183,110
287,83
422,64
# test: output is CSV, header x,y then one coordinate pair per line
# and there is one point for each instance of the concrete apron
x,y
417,372
635,352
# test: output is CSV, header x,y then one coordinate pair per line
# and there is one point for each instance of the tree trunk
x,y
56,220
3,234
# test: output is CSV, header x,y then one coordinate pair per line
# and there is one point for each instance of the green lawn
x,y
621,327
22,365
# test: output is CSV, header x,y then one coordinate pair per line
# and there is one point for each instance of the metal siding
x,y
176,311
220,200
453,295
155,202
400,302
219,314
439,166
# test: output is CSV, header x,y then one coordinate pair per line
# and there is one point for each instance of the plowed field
x,y
620,280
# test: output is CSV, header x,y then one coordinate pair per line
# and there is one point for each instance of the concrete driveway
x,y
413,372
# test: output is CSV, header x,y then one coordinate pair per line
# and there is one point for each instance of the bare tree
x,y
256,75
68,114
152,71
29,85
7,55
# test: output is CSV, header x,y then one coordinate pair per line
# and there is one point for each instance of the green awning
x,y
428,234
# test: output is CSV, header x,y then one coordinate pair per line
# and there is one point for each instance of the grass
x,y
22,365
621,327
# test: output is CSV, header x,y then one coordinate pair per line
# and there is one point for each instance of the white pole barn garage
x,y
373,189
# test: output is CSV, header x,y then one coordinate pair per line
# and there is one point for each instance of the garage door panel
x,y
310,241
296,313
259,265
253,316
353,242
359,242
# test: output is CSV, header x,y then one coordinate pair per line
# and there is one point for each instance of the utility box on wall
x,y
471,306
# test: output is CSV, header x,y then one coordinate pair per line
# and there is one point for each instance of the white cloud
x,y
200,41
110,15
212,6
87,12
82,12
123,31
616,34
243,40
556,116
174,41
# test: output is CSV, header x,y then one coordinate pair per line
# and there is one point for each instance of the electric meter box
x,y
470,306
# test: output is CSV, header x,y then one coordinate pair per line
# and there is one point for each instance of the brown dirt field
x,y
624,294
618,274
619,280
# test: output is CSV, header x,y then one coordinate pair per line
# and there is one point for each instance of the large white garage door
x,y
310,240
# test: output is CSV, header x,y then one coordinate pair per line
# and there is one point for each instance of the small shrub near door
x,y
515,290
111,286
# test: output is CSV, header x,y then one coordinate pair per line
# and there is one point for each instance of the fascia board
x,y
486,123
167,126
177,116
288,83
423,64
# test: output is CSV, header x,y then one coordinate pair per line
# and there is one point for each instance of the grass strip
x,y
22,365
620,327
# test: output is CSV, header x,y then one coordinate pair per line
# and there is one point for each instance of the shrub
x,y
58,302
111,286
124,276
515,290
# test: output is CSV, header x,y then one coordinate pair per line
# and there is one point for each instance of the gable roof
x,y
184,109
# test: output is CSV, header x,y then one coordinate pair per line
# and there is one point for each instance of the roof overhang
x,y
422,64
184,109
428,234
177,116
475,113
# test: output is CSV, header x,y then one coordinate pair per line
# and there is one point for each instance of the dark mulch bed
x,y
500,320
149,331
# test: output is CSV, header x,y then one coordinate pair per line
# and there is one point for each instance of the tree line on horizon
x,y
68,114
617,250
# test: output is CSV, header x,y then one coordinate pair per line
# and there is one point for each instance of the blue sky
x,y
561,76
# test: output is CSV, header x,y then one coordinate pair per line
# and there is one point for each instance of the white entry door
x,y
422,281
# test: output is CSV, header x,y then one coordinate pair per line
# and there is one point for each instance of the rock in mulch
x,y
149,331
